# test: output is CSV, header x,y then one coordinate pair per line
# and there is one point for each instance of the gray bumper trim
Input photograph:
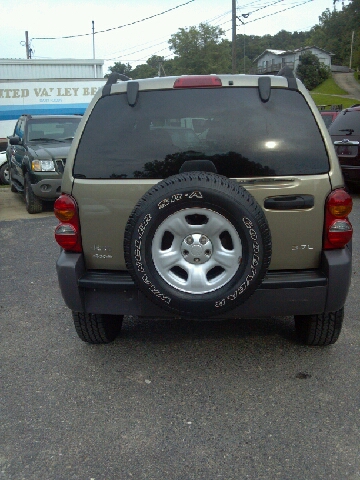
x,y
52,191
281,293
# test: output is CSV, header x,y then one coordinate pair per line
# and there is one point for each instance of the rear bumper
x,y
351,173
281,293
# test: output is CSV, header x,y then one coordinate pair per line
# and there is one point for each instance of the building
x,y
51,87
271,61
20,69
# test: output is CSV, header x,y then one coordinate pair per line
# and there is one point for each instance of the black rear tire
x,y
4,174
97,328
319,330
33,203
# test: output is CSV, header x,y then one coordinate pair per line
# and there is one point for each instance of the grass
x,y
323,99
329,87
329,93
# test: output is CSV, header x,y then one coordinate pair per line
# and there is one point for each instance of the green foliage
x,y
154,67
334,34
323,99
200,51
310,71
329,87
124,69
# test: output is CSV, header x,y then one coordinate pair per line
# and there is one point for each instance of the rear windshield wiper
x,y
350,130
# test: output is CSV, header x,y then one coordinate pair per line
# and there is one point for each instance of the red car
x,y
329,116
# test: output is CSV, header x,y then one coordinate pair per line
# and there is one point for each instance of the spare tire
x,y
197,244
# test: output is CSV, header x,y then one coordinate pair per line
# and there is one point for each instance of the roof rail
x,y
115,76
289,74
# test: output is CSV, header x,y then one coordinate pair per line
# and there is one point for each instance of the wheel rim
x,y
196,250
7,175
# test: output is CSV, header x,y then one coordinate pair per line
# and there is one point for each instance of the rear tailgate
x,y
296,229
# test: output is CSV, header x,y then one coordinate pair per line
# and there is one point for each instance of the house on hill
x,y
271,61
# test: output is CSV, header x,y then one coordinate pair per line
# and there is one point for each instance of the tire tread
x,y
96,328
321,329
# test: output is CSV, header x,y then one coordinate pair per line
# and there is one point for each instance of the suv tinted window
x,y
229,126
347,123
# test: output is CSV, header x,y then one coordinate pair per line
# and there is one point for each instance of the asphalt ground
x,y
173,400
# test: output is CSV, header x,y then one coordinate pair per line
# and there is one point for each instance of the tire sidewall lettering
x,y
137,254
176,197
255,260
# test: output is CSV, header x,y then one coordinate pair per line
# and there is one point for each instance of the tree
x,y
155,66
124,69
334,33
200,50
311,72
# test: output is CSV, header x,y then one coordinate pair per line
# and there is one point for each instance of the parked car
x,y
248,220
4,170
36,156
329,112
345,133
328,117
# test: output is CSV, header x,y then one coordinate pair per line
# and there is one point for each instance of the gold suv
x,y
204,197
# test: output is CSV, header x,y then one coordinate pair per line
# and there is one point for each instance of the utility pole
x,y
233,36
351,48
93,35
27,45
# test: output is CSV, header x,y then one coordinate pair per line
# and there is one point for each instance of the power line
x,y
218,17
271,14
245,15
115,28
279,11
123,57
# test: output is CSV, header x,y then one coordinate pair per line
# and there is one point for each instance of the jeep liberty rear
x,y
204,197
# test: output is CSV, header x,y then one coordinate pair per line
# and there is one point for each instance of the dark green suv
x,y
36,156
204,197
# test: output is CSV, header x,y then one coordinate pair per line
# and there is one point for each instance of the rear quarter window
x,y
231,127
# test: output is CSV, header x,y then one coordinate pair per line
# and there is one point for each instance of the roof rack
x,y
289,74
115,76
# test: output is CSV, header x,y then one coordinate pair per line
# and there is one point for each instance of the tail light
x,y
67,233
198,81
338,229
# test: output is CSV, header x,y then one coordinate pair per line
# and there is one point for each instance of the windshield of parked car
x,y
52,129
231,127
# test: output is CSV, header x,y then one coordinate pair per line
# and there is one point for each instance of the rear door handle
x,y
289,202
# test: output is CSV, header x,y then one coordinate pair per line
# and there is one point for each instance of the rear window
x,y
231,127
346,124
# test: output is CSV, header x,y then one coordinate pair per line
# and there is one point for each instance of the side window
x,y
19,128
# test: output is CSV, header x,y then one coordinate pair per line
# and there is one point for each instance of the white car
x,y
4,170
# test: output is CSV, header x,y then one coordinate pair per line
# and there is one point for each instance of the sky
x,y
48,21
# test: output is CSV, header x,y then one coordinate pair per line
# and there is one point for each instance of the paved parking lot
x,y
12,206
167,400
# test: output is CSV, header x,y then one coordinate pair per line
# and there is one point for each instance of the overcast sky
x,y
135,43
